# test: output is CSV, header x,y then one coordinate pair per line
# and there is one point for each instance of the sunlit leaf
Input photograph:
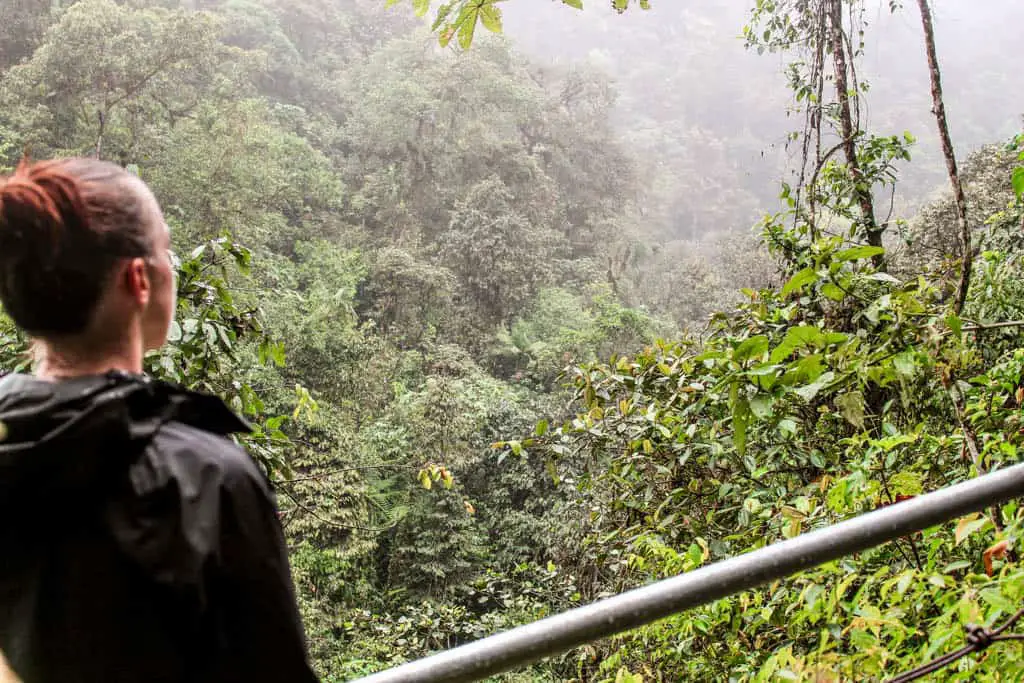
x,y
858,253
490,17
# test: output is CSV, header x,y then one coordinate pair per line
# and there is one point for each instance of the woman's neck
x,y
53,364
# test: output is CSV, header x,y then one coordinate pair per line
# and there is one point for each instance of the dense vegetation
x,y
490,379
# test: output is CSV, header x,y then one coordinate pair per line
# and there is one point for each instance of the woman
x,y
138,542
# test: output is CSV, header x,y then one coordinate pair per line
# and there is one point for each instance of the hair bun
x,y
43,198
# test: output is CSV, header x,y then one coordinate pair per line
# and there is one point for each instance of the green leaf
x,y
542,428
857,253
420,7
797,337
490,17
905,364
174,332
553,472
806,335
851,406
833,292
891,442
578,4
467,26
809,391
906,484
799,281
1018,182
764,370
740,421
446,36
442,13
883,277
997,600
761,406
694,556
751,348
955,324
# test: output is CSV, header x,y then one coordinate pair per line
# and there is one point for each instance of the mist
x,y
697,106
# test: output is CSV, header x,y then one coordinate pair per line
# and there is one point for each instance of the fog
x,y
699,108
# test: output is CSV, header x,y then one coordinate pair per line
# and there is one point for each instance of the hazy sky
x,y
683,62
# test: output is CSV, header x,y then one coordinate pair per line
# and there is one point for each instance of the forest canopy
x,y
493,302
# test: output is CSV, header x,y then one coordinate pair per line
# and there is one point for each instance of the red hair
x,y
64,224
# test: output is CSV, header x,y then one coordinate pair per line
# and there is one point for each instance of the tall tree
x,y
960,201
840,43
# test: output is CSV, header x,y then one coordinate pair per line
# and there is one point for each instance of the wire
x,y
978,639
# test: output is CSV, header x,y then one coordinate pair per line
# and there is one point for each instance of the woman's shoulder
x,y
196,460
183,490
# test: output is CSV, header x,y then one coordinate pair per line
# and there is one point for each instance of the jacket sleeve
x,y
252,596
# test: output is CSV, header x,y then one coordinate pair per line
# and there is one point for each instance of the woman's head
x,y
84,262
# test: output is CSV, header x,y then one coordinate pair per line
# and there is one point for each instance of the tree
x,y
22,23
70,99
498,251
939,109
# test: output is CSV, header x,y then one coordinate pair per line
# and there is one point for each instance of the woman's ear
x,y
137,281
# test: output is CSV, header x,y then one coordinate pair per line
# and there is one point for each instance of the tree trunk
x,y
98,152
939,109
862,191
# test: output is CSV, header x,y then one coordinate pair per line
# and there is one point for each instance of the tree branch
x,y
939,109
861,191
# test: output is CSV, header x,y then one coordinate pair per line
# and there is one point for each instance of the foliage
x,y
461,17
446,250
827,398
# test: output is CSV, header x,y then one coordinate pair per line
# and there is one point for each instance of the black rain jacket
x,y
137,542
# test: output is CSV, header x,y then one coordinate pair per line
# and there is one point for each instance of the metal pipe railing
x,y
560,633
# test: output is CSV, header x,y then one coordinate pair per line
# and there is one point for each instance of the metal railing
x,y
557,634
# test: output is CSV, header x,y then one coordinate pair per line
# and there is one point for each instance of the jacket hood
x,y
62,443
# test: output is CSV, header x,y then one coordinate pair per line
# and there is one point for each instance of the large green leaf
x,y
754,347
858,253
799,281
467,26
797,338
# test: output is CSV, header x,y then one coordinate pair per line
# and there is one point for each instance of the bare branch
x,y
862,192
939,109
